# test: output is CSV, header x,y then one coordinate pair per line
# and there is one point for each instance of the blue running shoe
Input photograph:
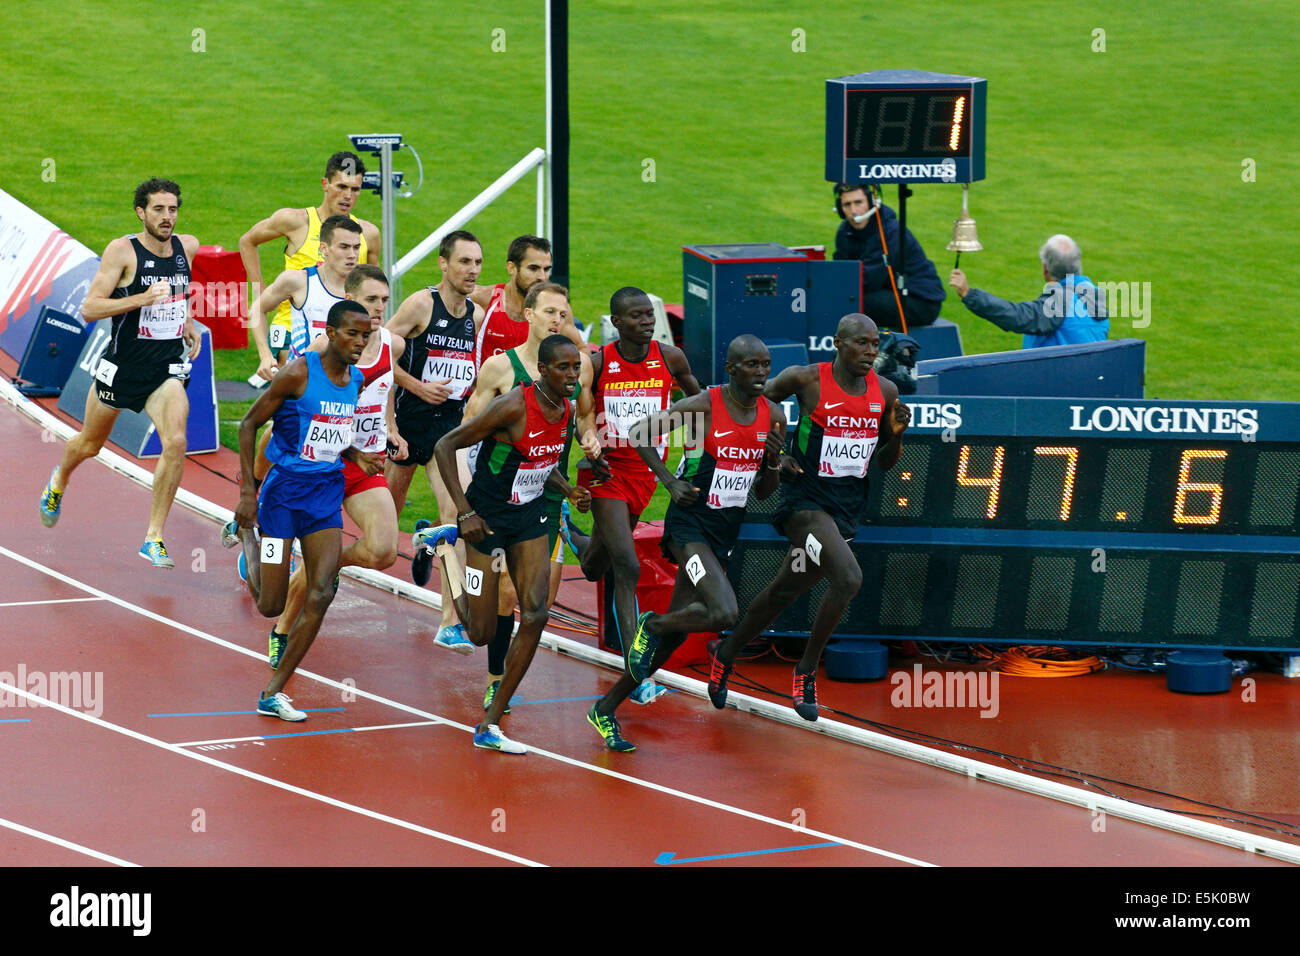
x,y
642,650
229,534
280,705
242,567
491,738
610,730
155,552
490,695
647,692
51,502
452,637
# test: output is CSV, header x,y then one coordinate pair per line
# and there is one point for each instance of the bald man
x,y
844,411
1070,310
734,438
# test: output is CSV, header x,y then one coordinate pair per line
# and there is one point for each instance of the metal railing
x,y
536,158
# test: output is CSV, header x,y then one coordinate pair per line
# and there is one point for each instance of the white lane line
x,y
357,691
66,844
309,733
59,601
271,781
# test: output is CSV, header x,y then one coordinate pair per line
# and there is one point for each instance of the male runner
x,y
143,283
528,261
433,379
303,246
633,379
309,292
546,309
313,400
731,431
366,497
844,410
503,510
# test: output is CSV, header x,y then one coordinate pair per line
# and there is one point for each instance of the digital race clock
x,y
905,126
1073,521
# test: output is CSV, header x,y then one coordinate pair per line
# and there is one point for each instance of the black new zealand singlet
x,y
445,349
152,334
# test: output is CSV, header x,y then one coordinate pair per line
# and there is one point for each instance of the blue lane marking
x,y
666,858
310,733
240,713
17,720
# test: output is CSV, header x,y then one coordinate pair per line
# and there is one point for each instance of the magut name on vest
x,y
845,457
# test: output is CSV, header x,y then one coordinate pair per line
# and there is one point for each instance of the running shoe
x,y
242,567
568,530
280,705
647,692
610,730
154,551
491,738
51,502
422,563
275,648
491,694
229,534
452,637
718,674
805,695
642,650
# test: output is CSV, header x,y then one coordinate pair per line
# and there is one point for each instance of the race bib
x,y
624,411
529,481
327,437
730,487
166,320
844,456
106,372
456,366
370,428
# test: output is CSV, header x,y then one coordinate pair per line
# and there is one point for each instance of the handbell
x,y
964,237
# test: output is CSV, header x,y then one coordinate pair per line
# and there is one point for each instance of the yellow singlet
x,y
308,254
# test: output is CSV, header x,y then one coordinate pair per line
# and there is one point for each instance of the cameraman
x,y
859,238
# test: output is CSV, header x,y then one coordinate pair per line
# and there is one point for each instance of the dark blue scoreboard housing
x,y
764,289
905,126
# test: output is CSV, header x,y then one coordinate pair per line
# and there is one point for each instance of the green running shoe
x,y
610,730
275,648
490,696
642,650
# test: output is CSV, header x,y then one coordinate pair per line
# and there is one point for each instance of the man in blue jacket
x,y
1070,310
859,238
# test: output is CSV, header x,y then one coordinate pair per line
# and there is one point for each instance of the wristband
x,y
467,514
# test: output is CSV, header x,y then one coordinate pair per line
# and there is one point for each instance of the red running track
x,y
172,767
